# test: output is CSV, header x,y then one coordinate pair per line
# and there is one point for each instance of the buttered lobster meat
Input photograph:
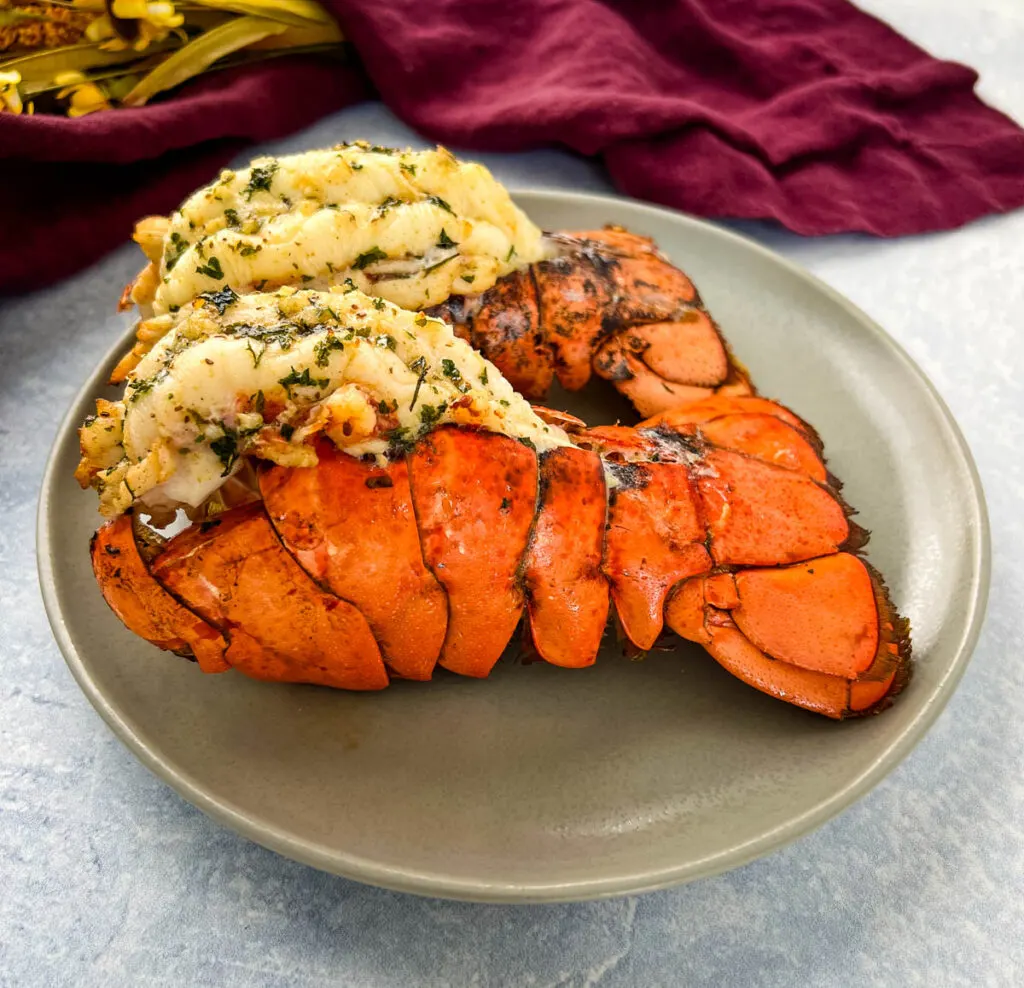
x,y
715,519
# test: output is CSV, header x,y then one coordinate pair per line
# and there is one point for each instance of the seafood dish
x,y
328,466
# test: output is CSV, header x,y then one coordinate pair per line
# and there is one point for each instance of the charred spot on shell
x,y
611,366
669,441
629,476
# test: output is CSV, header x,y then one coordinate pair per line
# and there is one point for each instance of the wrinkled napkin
x,y
808,112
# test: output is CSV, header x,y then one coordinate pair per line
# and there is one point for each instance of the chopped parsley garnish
x,y
420,366
355,166
382,209
437,264
232,217
430,415
483,376
380,149
511,253
368,257
444,240
438,201
226,449
322,349
178,247
260,179
385,407
256,356
469,277
307,277
350,285
407,168
287,431
303,380
258,402
211,269
527,442
452,372
378,304
220,300
140,387
386,340
399,440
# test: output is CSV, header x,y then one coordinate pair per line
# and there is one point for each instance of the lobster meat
x,y
350,573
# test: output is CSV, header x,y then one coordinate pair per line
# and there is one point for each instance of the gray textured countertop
x,y
108,878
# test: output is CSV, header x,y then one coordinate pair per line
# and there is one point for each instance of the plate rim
x,y
436,885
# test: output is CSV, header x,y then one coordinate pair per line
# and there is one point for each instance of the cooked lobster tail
x,y
608,303
716,519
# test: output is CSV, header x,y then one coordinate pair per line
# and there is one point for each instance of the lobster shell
x,y
348,574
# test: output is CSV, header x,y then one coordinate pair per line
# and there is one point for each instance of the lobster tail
x,y
348,572
610,304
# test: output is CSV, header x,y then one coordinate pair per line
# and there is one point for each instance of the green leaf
x,y
41,66
300,13
199,54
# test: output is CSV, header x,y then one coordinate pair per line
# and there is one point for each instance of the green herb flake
x,y
387,341
226,449
382,209
368,257
287,431
232,217
260,179
511,253
379,304
437,264
247,250
399,441
220,300
444,240
527,442
430,415
211,269
483,376
303,380
407,168
438,201
420,366
323,349
258,402
178,247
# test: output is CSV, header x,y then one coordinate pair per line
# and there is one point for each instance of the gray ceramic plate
x,y
547,784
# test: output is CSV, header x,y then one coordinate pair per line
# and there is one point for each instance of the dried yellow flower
x,y
86,97
10,98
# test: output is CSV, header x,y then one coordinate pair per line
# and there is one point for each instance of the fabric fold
x,y
808,112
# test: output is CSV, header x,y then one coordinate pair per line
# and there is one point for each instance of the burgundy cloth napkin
x,y
809,112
